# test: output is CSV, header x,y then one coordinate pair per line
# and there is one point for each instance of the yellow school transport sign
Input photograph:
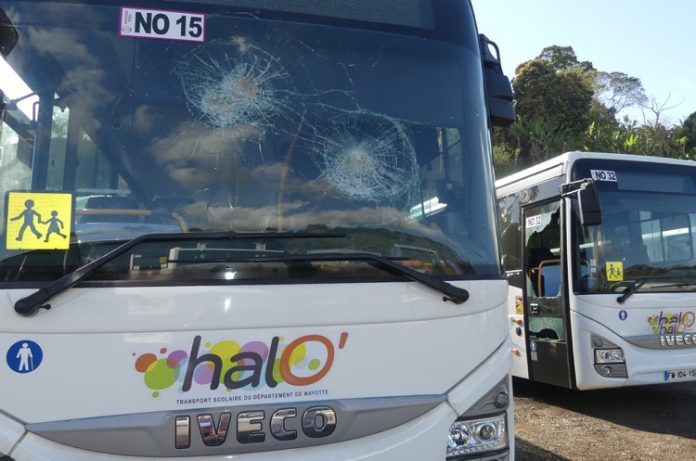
x,y
38,221
614,271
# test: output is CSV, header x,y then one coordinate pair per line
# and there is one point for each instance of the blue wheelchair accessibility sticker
x,y
24,356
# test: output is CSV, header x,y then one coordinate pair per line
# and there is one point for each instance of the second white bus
x,y
599,252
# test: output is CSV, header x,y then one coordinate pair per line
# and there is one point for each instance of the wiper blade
x,y
31,304
452,293
631,287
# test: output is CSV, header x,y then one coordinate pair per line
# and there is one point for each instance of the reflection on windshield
x,y
267,126
646,241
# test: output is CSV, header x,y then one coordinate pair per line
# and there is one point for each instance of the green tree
x,y
688,130
563,57
565,104
553,108
563,97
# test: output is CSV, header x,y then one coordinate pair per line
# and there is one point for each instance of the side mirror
x,y
590,211
588,201
8,34
498,89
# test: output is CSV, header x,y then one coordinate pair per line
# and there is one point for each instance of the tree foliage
x,y
561,97
563,57
565,104
553,95
688,131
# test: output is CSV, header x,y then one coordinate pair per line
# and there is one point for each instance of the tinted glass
x,y
272,121
648,228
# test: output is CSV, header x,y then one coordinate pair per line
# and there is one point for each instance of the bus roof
x,y
561,164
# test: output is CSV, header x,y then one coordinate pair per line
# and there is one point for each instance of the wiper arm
x,y
452,293
31,304
632,286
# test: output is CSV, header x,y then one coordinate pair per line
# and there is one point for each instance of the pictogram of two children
x,y
54,224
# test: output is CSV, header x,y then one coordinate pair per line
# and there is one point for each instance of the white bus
x,y
250,229
599,250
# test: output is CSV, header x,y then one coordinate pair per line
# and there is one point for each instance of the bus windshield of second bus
x,y
645,241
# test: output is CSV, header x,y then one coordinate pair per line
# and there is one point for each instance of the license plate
x,y
680,375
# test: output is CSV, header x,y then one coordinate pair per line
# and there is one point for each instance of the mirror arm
x,y
585,191
572,188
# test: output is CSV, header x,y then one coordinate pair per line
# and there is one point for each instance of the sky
x,y
654,40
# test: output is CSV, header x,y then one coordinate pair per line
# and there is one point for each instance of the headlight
x,y
603,356
470,436
609,359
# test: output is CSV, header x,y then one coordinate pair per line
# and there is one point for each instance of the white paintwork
x,y
402,340
561,164
599,314
472,388
420,439
519,341
10,433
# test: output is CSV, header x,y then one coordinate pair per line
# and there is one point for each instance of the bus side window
x,y
537,253
549,282
542,251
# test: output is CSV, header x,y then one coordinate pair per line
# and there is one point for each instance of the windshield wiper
x,y
452,293
631,287
31,304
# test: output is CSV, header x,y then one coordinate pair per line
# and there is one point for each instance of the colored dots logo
x,y
298,354
177,359
224,349
161,373
144,361
231,367
671,322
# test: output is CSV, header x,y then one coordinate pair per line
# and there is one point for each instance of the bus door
x,y
545,315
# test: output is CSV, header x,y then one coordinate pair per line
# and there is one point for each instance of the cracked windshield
x,y
320,130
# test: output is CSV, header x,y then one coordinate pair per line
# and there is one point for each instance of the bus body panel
x,y
86,375
186,308
653,329
517,332
601,315
416,440
362,368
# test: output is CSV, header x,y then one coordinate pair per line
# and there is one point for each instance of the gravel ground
x,y
633,423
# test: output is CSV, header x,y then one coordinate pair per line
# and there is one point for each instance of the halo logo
x,y
303,361
671,322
